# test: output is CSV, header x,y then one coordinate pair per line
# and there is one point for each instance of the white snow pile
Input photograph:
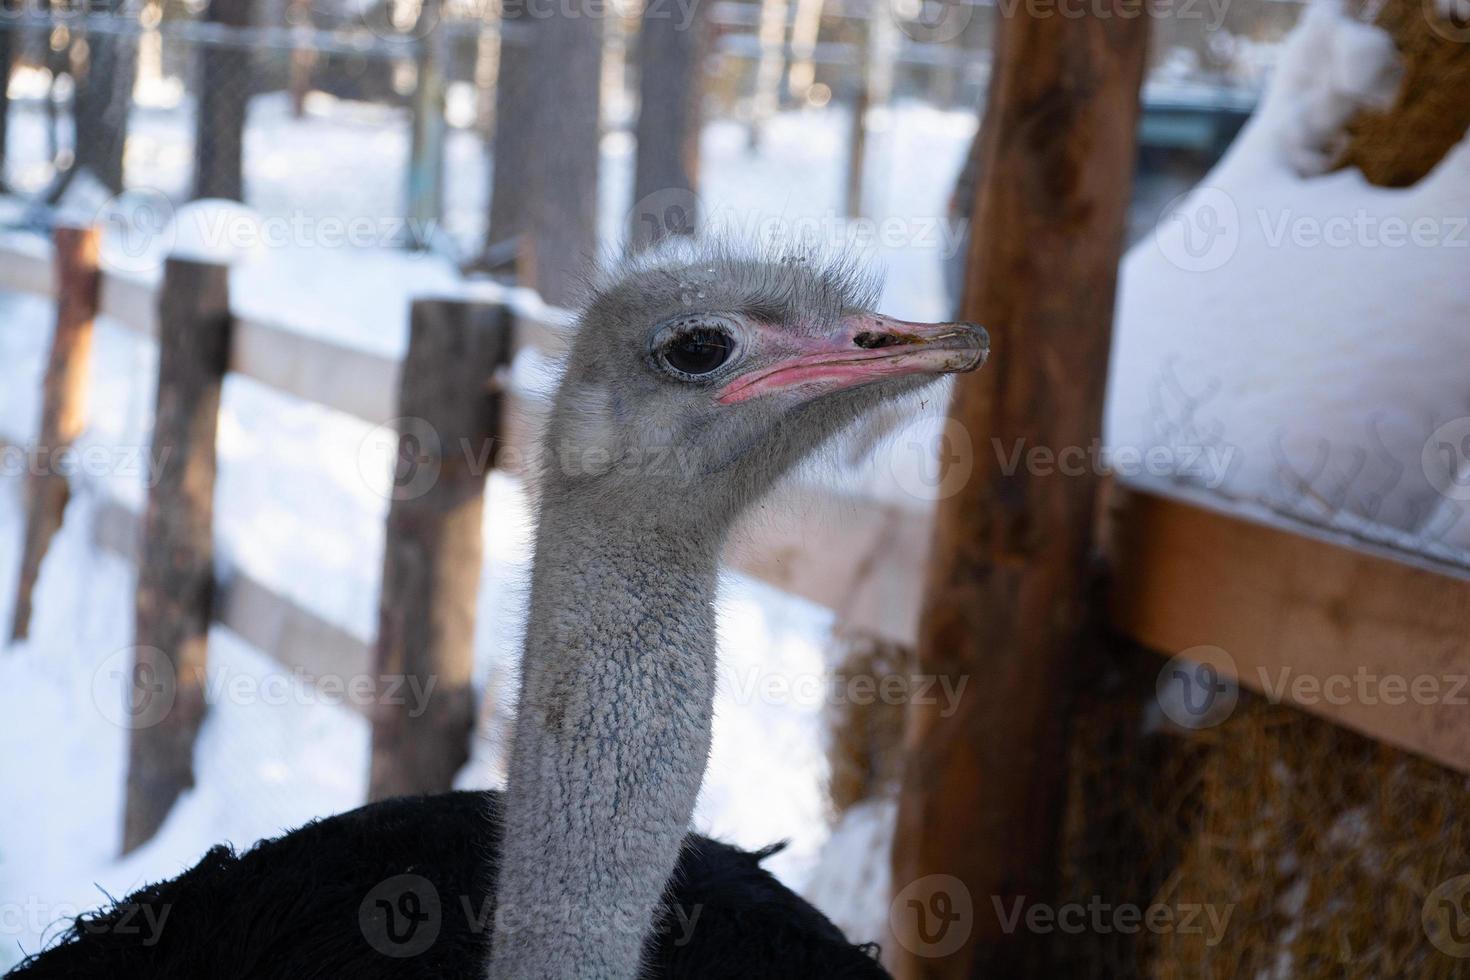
x,y
1298,338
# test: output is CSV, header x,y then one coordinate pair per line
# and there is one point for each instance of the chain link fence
x,y
316,114
371,120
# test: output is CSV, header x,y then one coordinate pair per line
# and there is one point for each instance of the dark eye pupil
x,y
698,353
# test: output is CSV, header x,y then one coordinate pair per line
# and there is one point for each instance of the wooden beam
x,y
1370,640
1006,606
448,425
63,406
175,593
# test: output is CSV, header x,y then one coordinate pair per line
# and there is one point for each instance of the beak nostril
x,y
870,340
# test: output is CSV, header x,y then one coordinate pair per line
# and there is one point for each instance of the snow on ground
x,y
345,162
1243,340
1295,337
296,509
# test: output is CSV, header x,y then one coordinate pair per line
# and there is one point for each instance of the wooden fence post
x,y
1006,604
449,421
176,574
63,404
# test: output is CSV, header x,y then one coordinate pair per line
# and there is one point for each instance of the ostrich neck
x,y
612,737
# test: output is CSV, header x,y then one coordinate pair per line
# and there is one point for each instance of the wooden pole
x,y
176,574
425,191
670,90
511,159
561,223
1006,602
450,419
225,85
63,405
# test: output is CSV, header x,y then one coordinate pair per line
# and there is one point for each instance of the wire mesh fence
x,y
372,121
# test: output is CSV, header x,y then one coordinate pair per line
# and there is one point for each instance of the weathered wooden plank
x,y
338,376
63,406
432,553
130,303
1006,598
295,637
1354,634
25,269
175,592
298,639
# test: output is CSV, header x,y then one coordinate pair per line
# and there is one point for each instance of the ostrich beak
x,y
865,347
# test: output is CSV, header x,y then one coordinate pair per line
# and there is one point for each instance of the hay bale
x,y
1322,845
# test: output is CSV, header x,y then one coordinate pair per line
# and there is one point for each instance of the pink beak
x,y
866,347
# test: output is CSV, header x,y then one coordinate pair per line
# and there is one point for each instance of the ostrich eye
x,y
697,352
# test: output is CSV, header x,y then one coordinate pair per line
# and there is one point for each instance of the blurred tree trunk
x,y
804,32
303,59
7,61
670,89
770,67
225,86
1007,595
561,186
515,109
104,95
426,144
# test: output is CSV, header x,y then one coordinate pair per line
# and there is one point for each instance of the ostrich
x,y
693,383
697,377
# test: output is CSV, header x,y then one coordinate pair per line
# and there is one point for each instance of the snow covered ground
x,y
294,509
1247,341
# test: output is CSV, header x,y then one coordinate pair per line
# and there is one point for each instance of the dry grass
x,y
1322,844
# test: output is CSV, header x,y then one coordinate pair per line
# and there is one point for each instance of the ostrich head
x,y
698,378
694,382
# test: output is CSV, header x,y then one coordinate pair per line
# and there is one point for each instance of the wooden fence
x,y
1189,569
